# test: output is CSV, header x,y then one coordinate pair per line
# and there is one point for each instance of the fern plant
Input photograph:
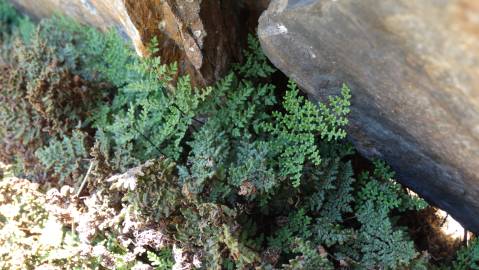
x,y
256,63
149,111
310,258
161,261
198,227
379,243
295,131
48,88
321,219
65,157
467,257
8,19
380,189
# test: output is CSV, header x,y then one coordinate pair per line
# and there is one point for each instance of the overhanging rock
x,y
413,67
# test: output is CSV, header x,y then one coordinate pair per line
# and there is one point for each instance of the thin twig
x,y
444,220
184,114
465,238
83,183
149,141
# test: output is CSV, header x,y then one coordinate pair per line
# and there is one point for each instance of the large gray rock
x,y
413,67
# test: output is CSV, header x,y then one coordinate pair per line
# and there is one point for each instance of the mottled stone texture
x,y
413,67
201,35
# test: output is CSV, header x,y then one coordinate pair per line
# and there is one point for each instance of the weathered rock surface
x,y
202,35
413,67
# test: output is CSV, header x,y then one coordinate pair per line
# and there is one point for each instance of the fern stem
x,y
149,141
184,114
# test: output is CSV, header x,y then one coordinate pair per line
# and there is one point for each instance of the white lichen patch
x,y
273,30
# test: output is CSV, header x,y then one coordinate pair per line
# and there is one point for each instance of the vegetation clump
x,y
237,175
49,89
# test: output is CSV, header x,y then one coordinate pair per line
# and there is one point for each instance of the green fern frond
x,y
296,130
161,261
65,157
